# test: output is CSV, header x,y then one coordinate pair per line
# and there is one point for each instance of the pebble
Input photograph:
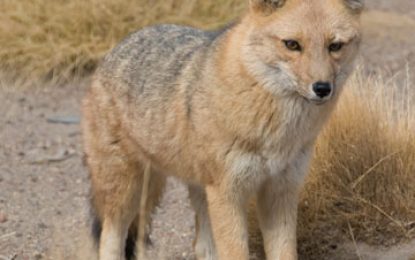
x,y
3,217
42,225
38,256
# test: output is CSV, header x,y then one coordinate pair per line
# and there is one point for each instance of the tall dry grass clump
x,y
362,183
55,40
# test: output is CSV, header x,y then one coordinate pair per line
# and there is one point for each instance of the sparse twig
x,y
12,257
364,175
399,224
143,213
60,156
7,235
354,240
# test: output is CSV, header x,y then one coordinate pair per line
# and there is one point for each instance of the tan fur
x,y
245,131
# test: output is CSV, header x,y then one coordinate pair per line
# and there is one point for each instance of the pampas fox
x,y
232,113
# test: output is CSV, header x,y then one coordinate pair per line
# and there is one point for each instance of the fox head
x,y
302,47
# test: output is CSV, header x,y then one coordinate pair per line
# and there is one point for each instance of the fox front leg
x,y
277,203
229,225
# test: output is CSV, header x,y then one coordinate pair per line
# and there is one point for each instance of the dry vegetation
x,y
55,40
363,176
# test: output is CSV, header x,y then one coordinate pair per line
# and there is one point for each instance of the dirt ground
x,y
44,186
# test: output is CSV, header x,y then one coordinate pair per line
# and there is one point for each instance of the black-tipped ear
x,y
355,5
266,6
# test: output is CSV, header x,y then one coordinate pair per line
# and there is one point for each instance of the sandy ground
x,y
44,186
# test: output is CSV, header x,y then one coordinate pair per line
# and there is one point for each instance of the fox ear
x,y
266,6
355,5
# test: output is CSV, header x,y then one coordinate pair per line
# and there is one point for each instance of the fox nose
x,y
322,89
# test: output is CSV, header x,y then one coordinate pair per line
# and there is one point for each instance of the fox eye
x,y
292,45
335,47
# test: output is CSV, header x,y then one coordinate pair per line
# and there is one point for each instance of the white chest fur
x,y
286,152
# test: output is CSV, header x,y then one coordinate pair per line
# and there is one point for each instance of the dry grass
x,y
55,40
363,175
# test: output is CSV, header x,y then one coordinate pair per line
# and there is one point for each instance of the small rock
x,y
67,120
38,256
42,225
3,217
333,247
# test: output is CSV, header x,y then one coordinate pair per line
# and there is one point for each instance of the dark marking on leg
x,y
96,228
130,245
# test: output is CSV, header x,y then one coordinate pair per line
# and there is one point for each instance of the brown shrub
x,y
56,40
362,182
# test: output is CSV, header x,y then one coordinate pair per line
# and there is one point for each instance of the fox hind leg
x,y
204,244
118,226
116,190
156,185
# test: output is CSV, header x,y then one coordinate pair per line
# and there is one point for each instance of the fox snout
x,y
321,92
322,89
